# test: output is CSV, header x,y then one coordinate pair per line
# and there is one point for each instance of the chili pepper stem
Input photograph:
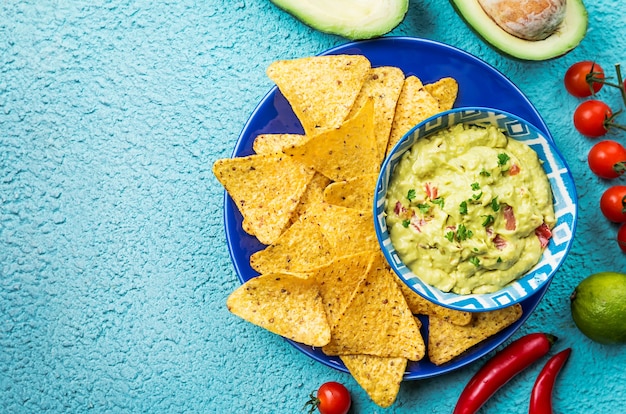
x,y
551,338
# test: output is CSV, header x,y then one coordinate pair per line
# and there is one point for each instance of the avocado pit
x,y
526,19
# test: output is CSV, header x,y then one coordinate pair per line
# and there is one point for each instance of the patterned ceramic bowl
x,y
564,198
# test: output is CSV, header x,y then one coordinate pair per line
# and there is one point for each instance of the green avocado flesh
x,y
567,36
353,19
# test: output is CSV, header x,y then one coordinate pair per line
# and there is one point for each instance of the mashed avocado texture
x,y
469,210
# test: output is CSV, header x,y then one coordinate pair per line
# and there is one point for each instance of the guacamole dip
x,y
469,210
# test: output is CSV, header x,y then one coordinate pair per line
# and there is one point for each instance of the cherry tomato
x,y
613,203
332,398
621,237
607,159
575,79
590,117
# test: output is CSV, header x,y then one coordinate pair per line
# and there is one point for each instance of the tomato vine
x,y
594,118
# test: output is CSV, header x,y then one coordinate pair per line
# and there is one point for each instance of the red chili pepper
x,y
504,365
541,396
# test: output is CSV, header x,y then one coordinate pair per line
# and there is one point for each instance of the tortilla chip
x,y
415,104
357,193
266,189
422,306
339,279
446,340
445,91
314,194
270,143
320,89
348,230
380,377
342,153
299,249
382,85
285,305
377,321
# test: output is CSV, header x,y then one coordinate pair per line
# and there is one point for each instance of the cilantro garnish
x,y
463,207
488,220
495,205
475,261
503,158
423,208
438,201
411,195
450,236
463,233
475,186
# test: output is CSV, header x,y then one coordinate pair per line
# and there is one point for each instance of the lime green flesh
x,y
353,19
567,36
599,307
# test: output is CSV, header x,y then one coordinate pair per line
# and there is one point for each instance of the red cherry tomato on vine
x,y
575,79
331,398
621,237
607,159
613,203
590,118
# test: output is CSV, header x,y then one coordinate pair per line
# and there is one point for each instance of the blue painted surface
x,y
113,265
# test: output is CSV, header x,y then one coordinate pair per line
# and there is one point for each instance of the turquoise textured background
x,y
113,265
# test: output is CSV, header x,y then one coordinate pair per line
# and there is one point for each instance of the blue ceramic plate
x,y
565,209
479,85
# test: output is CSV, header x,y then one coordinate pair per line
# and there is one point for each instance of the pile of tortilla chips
x,y
308,197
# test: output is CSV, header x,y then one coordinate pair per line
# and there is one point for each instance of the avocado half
x,y
353,19
566,37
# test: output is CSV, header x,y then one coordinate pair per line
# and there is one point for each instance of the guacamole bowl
x,y
480,244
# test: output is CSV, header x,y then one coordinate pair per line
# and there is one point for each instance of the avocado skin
x,y
528,50
331,22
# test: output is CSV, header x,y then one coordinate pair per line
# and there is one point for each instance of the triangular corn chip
x,y
357,193
447,340
422,306
314,194
377,321
299,249
348,230
445,91
380,377
339,279
382,85
270,143
415,104
266,190
285,305
320,89
345,152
